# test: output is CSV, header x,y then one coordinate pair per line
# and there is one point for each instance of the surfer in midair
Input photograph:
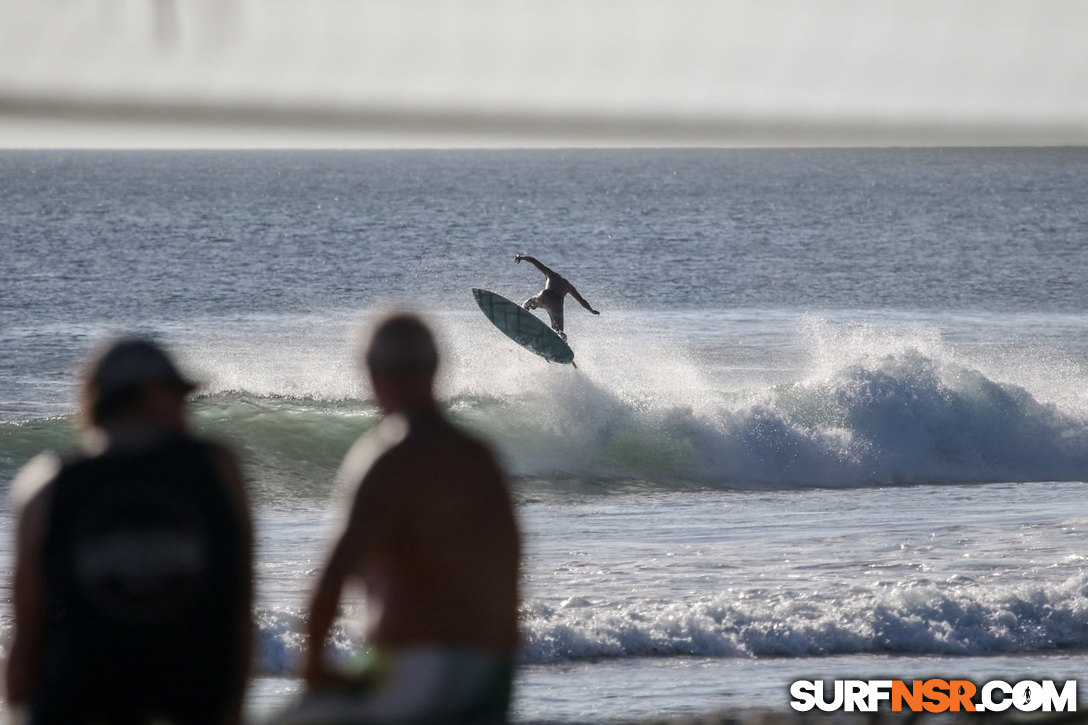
x,y
551,297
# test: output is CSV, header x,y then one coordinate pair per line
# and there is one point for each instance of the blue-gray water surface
x,y
832,420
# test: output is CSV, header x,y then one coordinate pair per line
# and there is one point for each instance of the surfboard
x,y
523,327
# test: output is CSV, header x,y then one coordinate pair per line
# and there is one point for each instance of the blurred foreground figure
x,y
432,537
133,562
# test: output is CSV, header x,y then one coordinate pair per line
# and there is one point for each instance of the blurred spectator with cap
x,y
133,579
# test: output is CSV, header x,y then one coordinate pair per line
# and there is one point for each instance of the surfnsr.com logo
x,y
933,695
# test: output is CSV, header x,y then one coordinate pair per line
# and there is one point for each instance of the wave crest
x,y
867,411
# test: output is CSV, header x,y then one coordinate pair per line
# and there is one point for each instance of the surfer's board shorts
x,y
547,301
415,685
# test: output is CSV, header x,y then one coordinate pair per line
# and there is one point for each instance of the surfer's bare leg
x,y
557,322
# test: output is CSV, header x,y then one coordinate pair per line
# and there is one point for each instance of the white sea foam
x,y
943,618
855,406
869,407
907,619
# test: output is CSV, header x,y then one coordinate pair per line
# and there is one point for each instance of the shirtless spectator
x,y
432,538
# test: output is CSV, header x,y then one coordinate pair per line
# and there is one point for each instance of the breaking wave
x,y
869,415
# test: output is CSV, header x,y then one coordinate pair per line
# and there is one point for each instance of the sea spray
x,y
871,409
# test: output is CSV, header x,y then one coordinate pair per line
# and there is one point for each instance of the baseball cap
x,y
130,363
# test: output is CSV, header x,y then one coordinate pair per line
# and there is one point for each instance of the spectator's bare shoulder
x,y
31,497
378,467
32,482
366,452
441,438
474,446
468,458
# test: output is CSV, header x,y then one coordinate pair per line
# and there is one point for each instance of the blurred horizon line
x,y
501,73
182,123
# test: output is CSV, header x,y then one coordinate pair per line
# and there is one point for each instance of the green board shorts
x,y
416,685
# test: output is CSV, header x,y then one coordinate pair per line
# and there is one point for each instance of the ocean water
x,y
832,420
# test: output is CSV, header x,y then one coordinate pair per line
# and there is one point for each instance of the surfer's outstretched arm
x,y
532,260
575,295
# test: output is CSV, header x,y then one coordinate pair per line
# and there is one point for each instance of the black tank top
x,y
144,575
